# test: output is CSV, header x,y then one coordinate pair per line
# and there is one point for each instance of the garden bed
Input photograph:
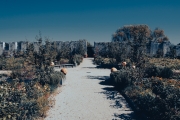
x,y
155,97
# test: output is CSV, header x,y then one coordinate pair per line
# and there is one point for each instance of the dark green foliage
x,y
56,78
77,59
130,31
159,53
64,52
156,98
11,63
25,95
166,73
49,76
98,60
79,48
105,62
149,86
123,78
152,71
116,50
119,51
19,101
158,72
172,52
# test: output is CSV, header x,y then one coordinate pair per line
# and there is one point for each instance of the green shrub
x,y
157,98
98,60
105,62
47,75
21,101
122,78
56,78
77,59
166,73
158,72
26,94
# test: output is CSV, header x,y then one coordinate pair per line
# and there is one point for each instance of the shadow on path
x,y
98,77
90,67
117,100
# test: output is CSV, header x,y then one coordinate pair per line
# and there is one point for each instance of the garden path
x,y
86,95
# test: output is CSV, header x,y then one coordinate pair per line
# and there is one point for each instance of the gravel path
x,y
86,95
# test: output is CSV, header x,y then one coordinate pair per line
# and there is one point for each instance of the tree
x,y
140,36
159,36
89,44
159,53
137,36
80,48
172,52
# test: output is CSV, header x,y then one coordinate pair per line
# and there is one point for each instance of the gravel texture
x,y
86,95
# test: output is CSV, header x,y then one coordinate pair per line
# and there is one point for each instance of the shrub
x,y
77,59
47,75
105,62
157,98
26,94
122,78
98,60
56,78
158,71
166,73
64,61
152,71
22,101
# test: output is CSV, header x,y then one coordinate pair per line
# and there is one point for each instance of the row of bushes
x,y
105,62
26,93
155,94
28,99
157,98
22,101
163,72
77,59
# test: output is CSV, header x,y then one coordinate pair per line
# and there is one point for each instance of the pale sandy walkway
x,y
87,96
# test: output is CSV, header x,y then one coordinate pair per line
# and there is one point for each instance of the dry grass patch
x,y
170,63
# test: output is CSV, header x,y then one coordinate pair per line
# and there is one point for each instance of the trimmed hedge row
x,y
156,97
105,62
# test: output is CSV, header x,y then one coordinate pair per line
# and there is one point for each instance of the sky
x,y
93,20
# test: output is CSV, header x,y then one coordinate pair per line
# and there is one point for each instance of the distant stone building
x,y
12,46
73,45
152,47
2,46
6,47
166,47
155,46
22,45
